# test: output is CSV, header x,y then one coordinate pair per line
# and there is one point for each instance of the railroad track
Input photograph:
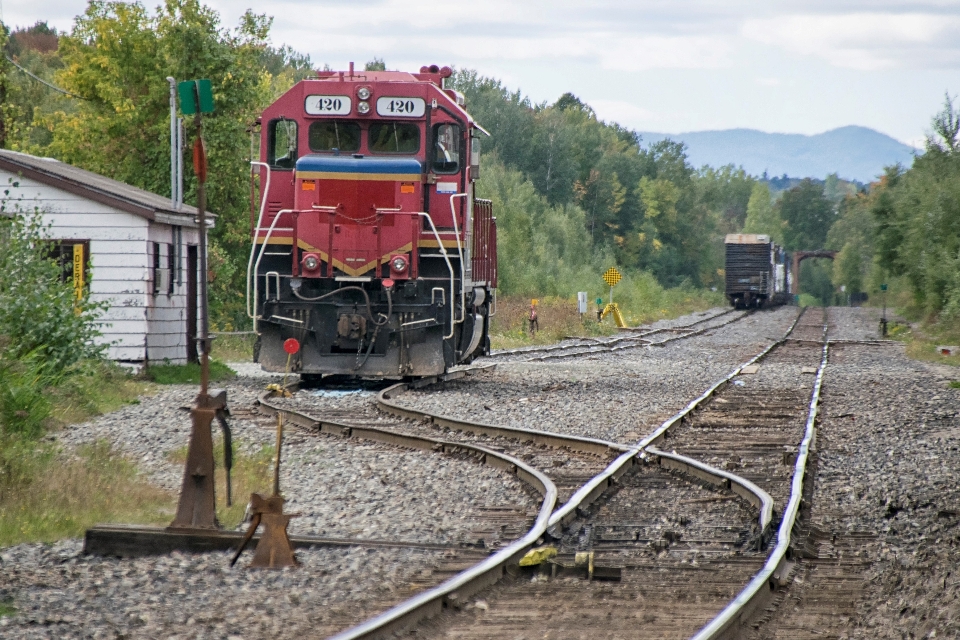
x,y
720,534
631,338
683,551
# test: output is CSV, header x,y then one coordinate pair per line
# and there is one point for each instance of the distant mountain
x,y
855,153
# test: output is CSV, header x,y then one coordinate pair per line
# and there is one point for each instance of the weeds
x,y
7,608
559,318
234,348
48,494
188,373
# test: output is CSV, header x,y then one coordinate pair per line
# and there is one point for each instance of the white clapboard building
x,y
141,250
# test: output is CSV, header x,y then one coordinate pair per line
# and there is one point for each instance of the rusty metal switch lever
x,y
227,451
274,550
197,506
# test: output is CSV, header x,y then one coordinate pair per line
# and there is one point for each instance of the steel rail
x,y
606,346
717,477
738,485
600,482
730,621
610,341
490,570
463,584
431,602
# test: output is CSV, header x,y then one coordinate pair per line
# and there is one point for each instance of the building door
x,y
192,266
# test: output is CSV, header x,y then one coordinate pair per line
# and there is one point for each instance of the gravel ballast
x,y
620,396
889,465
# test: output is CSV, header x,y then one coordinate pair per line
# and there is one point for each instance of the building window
x,y
171,268
177,266
161,273
73,257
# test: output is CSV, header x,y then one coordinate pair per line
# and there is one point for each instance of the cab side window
x,y
282,144
446,148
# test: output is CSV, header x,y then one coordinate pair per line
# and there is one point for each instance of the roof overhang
x,y
186,217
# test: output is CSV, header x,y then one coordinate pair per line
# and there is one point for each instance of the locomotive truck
x,y
369,245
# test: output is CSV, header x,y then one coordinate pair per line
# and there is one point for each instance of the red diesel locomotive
x,y
369,246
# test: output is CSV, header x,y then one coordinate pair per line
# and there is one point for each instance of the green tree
x,y
807,215
118,57
762,216
377,64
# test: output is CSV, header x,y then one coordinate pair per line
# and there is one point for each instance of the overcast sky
x,y
794,66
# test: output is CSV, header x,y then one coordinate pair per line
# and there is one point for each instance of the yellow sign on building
x,y
611,276
78,270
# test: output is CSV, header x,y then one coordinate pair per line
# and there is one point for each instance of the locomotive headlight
x,y
363,107
311,262
398,263
363,93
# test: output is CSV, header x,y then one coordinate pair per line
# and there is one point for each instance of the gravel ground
x,y
62,594
620,396
890,465
342,488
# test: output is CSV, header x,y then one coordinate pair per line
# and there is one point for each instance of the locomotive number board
x,y
399,107
327,105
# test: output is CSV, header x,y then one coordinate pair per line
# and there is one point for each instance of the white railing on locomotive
x,y
446,258
456,233
251,309
256,267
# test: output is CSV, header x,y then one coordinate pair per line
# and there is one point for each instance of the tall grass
x,y
47,494
559,317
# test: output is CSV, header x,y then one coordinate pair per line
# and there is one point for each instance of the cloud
x,y
865,41
626,113
499,30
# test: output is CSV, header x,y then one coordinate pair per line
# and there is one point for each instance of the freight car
x,y
757,271
370,246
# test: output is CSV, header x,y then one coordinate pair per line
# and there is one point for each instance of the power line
x,y
44,82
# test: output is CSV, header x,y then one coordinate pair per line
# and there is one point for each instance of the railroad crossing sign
x,y
611,276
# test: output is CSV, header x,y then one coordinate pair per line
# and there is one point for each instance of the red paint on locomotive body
x,y
364,172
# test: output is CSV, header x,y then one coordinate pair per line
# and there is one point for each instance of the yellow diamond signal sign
x,y
611,276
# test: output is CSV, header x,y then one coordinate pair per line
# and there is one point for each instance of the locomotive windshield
x,y
394,137
327,135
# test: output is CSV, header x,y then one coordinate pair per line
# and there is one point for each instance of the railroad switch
x,y
274,550
197,506
617,316
545,563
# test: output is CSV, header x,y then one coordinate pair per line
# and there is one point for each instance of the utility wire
x,y
44,82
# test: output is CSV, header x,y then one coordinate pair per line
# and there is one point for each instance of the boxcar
x,y
757,271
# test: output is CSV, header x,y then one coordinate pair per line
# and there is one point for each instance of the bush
x,y
46,330
39,314
24,408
